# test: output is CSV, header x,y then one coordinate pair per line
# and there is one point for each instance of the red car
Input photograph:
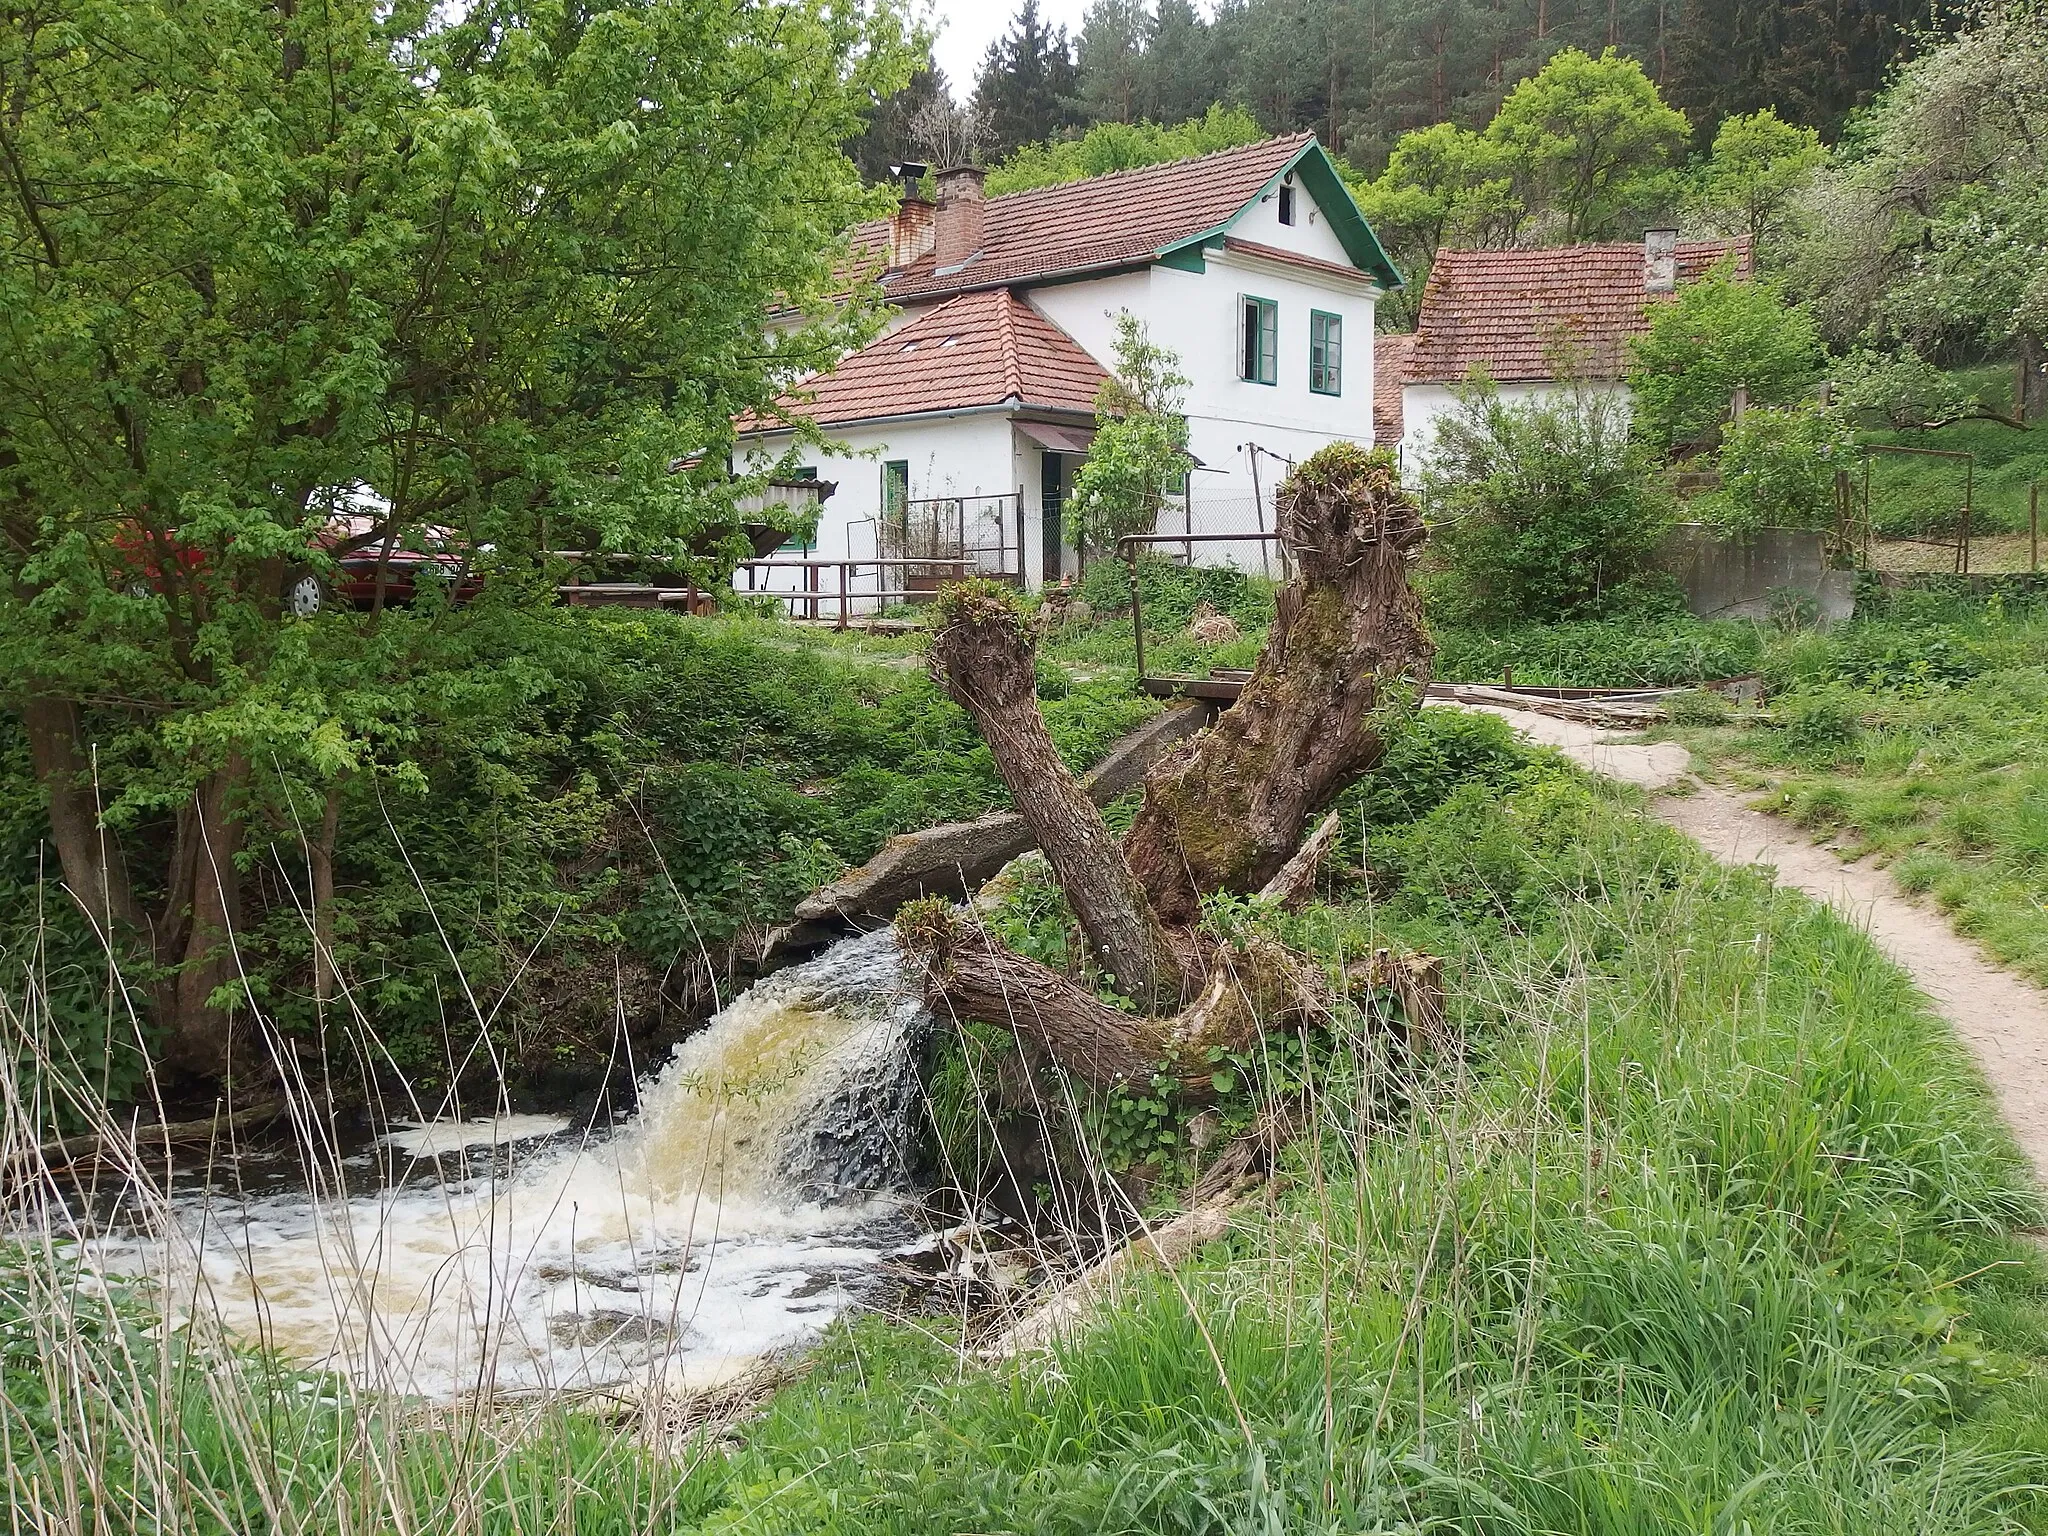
x,y
430,555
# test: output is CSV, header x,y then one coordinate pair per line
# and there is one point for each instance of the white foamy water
x,y
744,1208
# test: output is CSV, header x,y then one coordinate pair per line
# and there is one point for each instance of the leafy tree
x,y
495,272
1545,509
1111,147
1778,466
1442,185
1931,226
1140,453
1904,392
1028,82
1814,62
1713,337
1759,163
1591,142
1181,79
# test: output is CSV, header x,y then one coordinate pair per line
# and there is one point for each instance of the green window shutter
x,y
1325,353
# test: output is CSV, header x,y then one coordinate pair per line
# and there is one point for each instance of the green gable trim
x,y
1319,174
1185,258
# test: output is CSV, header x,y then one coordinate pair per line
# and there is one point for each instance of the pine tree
x,y
1114,37
888,140
1028,83
1181,80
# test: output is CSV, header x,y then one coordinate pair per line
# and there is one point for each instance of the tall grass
x,y
1710,1228
1706,1226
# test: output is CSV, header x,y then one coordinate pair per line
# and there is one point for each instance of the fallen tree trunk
x,y
1345,663
984,657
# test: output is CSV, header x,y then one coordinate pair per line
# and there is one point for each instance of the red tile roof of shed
x,y
1120,219
981,349
1390,355
1508,312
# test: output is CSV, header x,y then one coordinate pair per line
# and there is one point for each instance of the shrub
x,y
1608,653
1544,509
1717,335
1778,468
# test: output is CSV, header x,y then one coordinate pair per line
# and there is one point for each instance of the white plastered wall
x,y
1424,406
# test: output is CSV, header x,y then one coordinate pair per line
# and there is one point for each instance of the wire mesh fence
x,y
1914,509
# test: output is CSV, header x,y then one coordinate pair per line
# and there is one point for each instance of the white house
x,y
1528,319
959,431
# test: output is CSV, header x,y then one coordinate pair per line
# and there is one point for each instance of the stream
x,y
751,1201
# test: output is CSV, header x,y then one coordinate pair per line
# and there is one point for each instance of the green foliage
x,y
1916,734
1900,388
1778,466
1759,164
1929,229
1120,146
1590,141
1645,652
1714,336
1544,509
1140,454
480,278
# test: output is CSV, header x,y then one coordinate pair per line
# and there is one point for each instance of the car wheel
x,y
305,597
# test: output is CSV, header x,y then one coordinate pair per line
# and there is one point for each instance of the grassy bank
x,y
1708,1228
1918,736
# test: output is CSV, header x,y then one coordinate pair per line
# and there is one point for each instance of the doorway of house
x,y
1054,477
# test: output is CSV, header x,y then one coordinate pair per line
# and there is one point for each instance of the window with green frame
x,y
1258,340
896,493
1325,353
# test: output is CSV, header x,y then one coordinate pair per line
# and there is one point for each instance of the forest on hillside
x,y
1360,73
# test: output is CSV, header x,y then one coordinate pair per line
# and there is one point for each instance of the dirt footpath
x,y
2003,1019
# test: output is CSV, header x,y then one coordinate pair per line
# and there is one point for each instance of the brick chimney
x,y
1660,261
960,214
913,229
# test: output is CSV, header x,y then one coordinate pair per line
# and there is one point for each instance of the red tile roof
x,y
987,348
1121,219
1509,312
1390,355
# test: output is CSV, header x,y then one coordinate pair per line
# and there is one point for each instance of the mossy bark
x,y
984,658
1345,662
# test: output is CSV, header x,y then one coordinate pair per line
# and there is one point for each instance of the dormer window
x,y
1286,202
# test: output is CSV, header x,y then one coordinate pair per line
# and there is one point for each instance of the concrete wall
x,y
1728,578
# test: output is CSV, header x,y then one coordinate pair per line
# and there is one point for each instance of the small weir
x,y
749,1203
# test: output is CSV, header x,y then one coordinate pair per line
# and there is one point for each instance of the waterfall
x,y
748,1203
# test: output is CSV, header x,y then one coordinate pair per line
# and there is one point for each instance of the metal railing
x,y
986,530
1194,687
842,590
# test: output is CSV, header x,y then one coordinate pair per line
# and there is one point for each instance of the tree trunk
x,y
321,858
201,1034
91,865
2030,391
1346,659
983,657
